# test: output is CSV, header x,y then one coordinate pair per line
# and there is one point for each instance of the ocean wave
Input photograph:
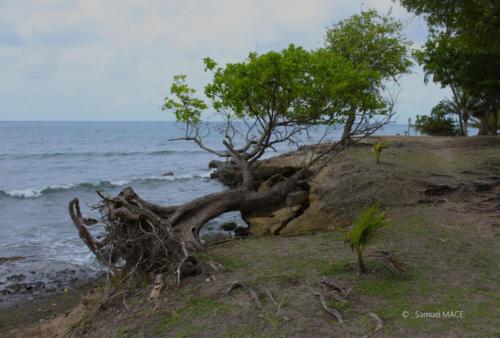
x,y
38,192
98,154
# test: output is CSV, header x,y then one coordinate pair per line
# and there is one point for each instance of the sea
x,y
43,165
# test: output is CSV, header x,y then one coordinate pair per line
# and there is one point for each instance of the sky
x,y
113,60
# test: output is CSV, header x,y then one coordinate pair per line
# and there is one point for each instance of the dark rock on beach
x,y
230,175
4,260
215,164
22,279
228,226
241,232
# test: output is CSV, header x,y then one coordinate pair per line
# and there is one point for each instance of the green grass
x,y
122,331
340,267
228,262
189,319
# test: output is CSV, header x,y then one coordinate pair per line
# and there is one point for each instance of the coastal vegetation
x,y
366,227
266,100
439,123
462,52
433,199
441,206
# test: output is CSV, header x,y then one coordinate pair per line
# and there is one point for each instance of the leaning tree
x,y
265,100
375,45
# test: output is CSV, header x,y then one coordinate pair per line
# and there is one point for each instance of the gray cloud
x,y
114,59
9,36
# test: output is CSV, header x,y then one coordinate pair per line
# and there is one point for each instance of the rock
x,y
228,226
241,231
215,237
230,175
17,278
28,278
271,225
285,214
297,198
4,260
168,173
259,226
267,184
439,189
313,218
482,186
214,164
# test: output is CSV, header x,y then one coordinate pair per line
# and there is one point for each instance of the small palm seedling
x,y
366,226
377,149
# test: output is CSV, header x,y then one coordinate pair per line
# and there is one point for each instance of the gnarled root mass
x,y
138,237
142,238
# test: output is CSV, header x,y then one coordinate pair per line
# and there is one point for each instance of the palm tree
x,y
486,113
463,105
367,225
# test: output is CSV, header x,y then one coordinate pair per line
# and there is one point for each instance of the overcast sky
x,y
114,59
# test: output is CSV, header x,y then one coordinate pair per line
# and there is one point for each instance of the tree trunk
x,y
154,238
483,128
346,135
361,264
495,121
461,122
460,113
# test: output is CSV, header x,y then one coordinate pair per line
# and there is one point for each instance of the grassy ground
x,y
449,243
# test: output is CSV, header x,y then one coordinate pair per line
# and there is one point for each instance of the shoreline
x,y
46,307
26,279
434,179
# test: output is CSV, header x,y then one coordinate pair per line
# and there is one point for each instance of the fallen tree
x,y
285,97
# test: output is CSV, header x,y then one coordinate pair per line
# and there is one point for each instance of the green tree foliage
x,y
292,89
294,85
376,47
366,226
438,123
463,48
186,107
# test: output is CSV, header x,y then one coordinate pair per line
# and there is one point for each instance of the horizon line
x,y
127,121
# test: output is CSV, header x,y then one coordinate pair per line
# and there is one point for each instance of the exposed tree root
x,y
338,292
157,287
331,311
380,325
252,291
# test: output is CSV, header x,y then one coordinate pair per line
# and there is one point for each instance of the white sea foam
x,y
38,192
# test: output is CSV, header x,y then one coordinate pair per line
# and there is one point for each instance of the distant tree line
x,y
462,52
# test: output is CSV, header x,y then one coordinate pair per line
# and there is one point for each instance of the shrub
x,y
437,124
